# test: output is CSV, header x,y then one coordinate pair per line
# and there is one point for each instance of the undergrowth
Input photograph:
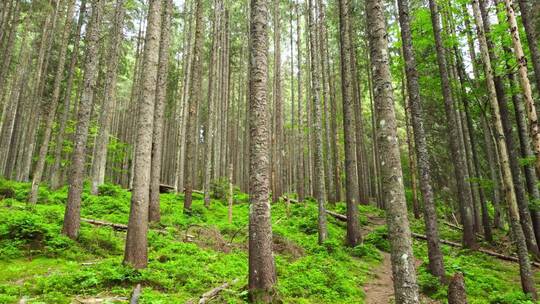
x,y
202,251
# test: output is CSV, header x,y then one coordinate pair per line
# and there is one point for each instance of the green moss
x,y
59,269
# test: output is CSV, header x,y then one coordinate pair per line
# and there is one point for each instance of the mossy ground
x,y
202,251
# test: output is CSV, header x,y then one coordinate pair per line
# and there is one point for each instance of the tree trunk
x,y
109,99
300,131
56,167
72,215
135,253
159,107
526,10
262,273
316,126
194,96
524,81
351,178
436,264
405,286
458,158
524,262
277,176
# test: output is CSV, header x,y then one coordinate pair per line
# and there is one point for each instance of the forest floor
x,y
190,255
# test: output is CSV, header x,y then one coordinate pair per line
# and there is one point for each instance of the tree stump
x,y
456,290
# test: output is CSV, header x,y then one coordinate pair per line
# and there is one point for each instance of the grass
x,y
202,251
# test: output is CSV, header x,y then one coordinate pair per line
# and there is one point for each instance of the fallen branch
x,y
485,251
337,216
457,227
135,295
450,243
209,295
115,226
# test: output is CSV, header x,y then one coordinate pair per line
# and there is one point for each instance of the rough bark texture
x,y
56,170
351,178
316,126
136,252
72,214
300,132
508,186
262,273
194,96
99,161
277,176
524,81
456,290
50,111
458,158
161,93
436,265
526,10
405,286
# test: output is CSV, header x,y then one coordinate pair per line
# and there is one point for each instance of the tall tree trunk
x,y
262,273
436,264
351,179
458,158
524,80
277,176
212,88
194,96
526,10
56,167
405,286
527,279
159,107
99,161
300,132
316,126
50,111
72,214
136,250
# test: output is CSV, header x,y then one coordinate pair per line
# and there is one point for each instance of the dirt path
x,y
380,290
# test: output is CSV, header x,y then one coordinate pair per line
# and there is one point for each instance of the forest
x,y
270,151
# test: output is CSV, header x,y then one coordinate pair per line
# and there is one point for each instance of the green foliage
x,y
379,238
36,260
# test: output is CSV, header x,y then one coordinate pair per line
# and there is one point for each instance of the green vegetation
x,y
195,254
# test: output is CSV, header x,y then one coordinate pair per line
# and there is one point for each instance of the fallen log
x,y
337,216
135,295
454,244
485,251
209,295
115,226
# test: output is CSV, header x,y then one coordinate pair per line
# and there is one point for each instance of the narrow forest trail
x,y
380,290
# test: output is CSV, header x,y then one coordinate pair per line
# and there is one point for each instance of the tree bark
x,y
99,161
159,107
526,10
262,273
405,286
458,158
436,264
524,81
57,165
351,178
136,250
316,126
527,280
72,215
194,97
